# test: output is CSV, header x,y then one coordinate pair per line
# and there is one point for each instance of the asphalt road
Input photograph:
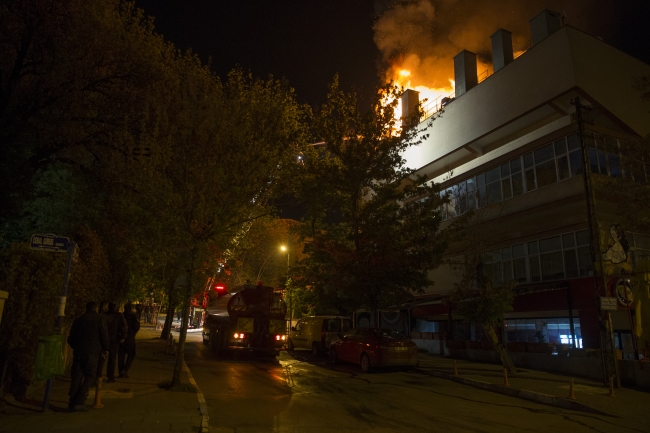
x,y
298,393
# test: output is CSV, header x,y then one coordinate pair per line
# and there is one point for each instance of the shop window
x,y
543,330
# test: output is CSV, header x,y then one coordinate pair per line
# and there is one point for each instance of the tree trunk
x,y
180,353
498,347
164,335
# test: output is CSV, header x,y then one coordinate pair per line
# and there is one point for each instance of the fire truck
x,y
248,318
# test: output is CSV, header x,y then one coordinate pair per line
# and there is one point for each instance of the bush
x,y
33,280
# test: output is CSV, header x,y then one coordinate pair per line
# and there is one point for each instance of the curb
x,y
536,397
203,406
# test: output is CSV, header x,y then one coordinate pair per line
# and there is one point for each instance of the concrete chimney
x,y
544,24
410,101
501,48
465,73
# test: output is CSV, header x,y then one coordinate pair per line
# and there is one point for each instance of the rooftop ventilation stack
x,y
410,101
501,48
465,73
544,24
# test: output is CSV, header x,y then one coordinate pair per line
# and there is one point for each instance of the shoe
x,y
79,408
124,375
111,381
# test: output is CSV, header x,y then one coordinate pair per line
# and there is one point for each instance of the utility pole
x,y
608,349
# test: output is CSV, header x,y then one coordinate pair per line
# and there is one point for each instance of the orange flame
x,y
404,73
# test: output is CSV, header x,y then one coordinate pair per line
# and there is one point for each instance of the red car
x,y
374,347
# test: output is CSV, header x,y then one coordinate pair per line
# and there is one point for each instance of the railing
x,y
483,75
432,107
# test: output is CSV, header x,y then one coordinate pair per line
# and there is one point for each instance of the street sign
x,y
49,242
608,303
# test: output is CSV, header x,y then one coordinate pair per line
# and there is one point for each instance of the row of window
x,y
551,330
605,158
554,258
546,165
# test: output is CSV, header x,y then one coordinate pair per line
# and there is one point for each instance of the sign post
x,y
56,244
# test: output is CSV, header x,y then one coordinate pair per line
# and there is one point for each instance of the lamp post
x,y
284,248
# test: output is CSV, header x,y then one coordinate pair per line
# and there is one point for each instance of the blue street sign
x,y
49,242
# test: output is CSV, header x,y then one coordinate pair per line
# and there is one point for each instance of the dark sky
x,y
304,41
308,41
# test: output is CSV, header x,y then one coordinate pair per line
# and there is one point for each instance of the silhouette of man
x,y
126,353
89,340
116,333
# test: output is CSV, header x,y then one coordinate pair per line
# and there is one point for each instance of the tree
x,y
258,255
480,294
374,228
223,152
477,299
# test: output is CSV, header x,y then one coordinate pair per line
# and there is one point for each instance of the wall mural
x,y
617,253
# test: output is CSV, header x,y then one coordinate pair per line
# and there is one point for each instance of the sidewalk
x,y
544,388
133,405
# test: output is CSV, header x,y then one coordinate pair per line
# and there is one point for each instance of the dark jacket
x,y
133,324
116,326
89,334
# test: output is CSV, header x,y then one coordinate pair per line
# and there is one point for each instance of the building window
x,y
546,165
554,258
639,247
549,330
551,163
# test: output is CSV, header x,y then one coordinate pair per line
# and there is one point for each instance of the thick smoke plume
x,y
423,36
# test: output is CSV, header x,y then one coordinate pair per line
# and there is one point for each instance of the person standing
x,y
138,311
116,333
127,347
146,313
89,340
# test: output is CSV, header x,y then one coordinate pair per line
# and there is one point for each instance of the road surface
x,y
298,393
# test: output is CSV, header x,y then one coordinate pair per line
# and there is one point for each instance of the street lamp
x,y
284,248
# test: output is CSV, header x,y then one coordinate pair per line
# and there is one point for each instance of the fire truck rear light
x,y
277,337
240,335
284,337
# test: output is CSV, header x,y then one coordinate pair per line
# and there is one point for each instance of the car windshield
x,y
388,334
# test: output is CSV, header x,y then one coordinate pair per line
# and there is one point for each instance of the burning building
x,y
509,146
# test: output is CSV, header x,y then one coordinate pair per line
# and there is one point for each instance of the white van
x,y
317,332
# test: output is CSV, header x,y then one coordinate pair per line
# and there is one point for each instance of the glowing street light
x,y
285,248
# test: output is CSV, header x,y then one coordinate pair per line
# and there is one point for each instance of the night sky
x,y
307,41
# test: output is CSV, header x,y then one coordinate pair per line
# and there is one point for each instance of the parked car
x,y
374,347
317,332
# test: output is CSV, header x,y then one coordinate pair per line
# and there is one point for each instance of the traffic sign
x,y
608,303
49,242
